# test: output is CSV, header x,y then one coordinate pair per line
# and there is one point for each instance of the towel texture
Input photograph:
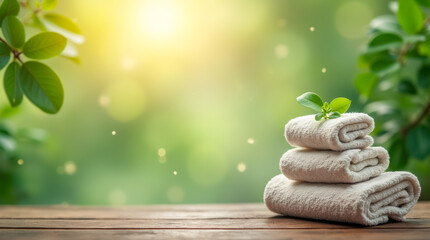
x,y
390,195
349,166
346,132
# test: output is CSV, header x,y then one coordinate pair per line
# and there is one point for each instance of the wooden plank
x,y
227,223
200,211
364,234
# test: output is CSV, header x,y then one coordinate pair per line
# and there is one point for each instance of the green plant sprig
x,y
32,78
325,110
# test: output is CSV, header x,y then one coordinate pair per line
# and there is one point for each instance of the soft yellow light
x,y
175,173
323,70
161,152
113,133
20,161
241,167
70,168
312,29
159,18
281,51
251,141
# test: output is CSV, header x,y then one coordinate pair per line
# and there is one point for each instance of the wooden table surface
x,y
220,221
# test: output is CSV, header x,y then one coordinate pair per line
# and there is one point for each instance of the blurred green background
x,y
186,101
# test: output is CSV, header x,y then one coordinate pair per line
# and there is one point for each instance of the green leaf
x,y
334,115
13,31
318,116
424,47
7,143
365,82
424,3
384,41
62,22
418,142
11,84
410,16
42,86
406,87
340,105
44,45
384,66
398,154
4,55
385,23
49,5
9,8
424,76
310,100
326,106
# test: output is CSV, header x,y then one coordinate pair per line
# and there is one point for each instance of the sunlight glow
x,y
160,19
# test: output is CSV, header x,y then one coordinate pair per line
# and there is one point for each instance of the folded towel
x,y
346,132
349,166
390,195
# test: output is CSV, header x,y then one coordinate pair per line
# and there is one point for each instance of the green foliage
x,y
44,45
39,83
42,86
33,79
13,31
325,110
395,82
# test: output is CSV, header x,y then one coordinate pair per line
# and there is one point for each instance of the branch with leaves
x,y
325,110
395,82
34,79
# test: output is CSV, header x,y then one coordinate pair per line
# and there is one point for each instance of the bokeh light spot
x,y
175,173
70,168
281,51
312,29
251,141
161,152
103,100
20,161
113,133
323,70
241,167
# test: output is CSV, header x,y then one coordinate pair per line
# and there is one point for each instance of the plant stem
x,y
15,53
403,52
426,110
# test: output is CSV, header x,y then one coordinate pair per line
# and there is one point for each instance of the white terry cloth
x,y
388,196
349,166
346,132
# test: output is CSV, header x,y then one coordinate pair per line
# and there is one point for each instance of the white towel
x,y
390,195
346,132
349,166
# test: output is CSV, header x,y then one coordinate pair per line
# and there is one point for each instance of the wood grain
x,y
206,221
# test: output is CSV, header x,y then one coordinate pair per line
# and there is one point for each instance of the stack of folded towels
x,y
334,175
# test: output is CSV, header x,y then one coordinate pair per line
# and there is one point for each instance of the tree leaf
x,y
424,47
4,55
424,76
42,86
384,66
44,45
385,23
334,115
13,31
406,87
418,142
11,84
424,3
410,16
9,8
49,5
365,82
398,154
340,105
318,116
7,143
62,22
384,41
310,100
